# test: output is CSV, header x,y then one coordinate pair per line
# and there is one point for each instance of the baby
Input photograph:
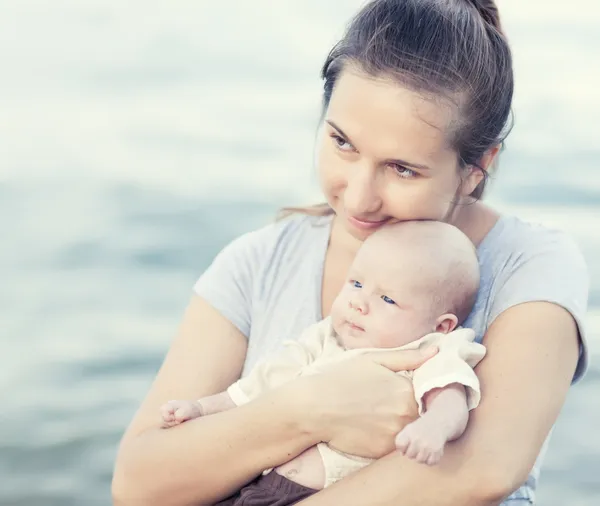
x,y
409,287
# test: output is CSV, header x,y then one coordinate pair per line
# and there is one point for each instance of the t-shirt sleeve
x,y
553,270
228,282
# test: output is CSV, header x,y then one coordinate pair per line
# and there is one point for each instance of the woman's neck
x,y
340,240
475,221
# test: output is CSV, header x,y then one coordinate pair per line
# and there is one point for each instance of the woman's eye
x,y
387,299
356,284
341,143
404,172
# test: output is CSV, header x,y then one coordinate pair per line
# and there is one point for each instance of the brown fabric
x,y
269,490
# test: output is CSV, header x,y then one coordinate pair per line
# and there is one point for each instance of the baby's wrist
x,y
200,406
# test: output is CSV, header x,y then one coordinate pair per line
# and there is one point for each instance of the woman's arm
x,y
532,355
205,459
359,405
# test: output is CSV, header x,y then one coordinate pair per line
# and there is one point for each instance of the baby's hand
x,y
176,412
422,440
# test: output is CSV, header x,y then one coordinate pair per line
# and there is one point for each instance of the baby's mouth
x,y
355,327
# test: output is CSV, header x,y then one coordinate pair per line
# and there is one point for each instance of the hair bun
x,y
488,11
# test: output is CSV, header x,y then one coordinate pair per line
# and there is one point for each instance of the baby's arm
x,y
446,388
270,373
445,419
176,412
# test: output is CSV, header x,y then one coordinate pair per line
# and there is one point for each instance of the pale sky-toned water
x,y
136,138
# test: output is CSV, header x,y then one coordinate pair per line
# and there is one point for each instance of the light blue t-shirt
x,y
268,284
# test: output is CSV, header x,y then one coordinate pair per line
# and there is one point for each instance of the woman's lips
x,y
365,224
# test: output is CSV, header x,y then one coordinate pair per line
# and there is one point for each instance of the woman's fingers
x,y
363,405
403,360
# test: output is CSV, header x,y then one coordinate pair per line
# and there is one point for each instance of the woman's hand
x,y
359,405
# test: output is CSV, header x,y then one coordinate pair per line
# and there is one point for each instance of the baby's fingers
x,y
413,450
434,458
182,414
167,411
402,443
423,455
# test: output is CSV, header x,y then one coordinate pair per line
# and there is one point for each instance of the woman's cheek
x,y
416,200
331,170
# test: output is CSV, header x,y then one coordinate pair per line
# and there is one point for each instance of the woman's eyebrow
x,y
340,131
396,161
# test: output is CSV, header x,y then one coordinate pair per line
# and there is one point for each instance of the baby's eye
x,y
387,299
356,284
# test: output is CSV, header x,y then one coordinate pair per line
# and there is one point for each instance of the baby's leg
x,y
445,420
176,412
306,469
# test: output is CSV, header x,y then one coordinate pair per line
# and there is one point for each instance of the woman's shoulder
x,y
282,234
521,262
255,260
514,241
267,250
531,257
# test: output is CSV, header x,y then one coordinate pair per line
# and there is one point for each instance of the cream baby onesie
x,y
317,348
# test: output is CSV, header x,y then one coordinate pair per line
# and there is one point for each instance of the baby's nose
x,y
359,304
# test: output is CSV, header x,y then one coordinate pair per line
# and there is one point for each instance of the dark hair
x,y
449,49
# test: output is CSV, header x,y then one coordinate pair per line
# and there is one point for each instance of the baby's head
x,y
407,280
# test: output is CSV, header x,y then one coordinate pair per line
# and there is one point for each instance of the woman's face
x,y
384,156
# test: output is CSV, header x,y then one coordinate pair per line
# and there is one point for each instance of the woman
x,y
416,105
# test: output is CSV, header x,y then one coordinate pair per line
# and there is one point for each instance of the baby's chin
x,y
352,339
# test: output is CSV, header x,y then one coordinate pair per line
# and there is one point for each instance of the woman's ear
x,y
446,323
475,175
489,156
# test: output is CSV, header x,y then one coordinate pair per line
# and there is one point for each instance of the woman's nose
x,y
361,196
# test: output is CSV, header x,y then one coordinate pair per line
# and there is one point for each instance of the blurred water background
x,y
137,138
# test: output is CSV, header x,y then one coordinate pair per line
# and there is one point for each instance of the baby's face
x,y
382,303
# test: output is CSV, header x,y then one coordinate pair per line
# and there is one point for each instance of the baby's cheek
x,y
337,316
340,305
392,335
384,337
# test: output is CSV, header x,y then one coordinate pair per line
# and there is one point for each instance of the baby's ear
x,y
446,323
